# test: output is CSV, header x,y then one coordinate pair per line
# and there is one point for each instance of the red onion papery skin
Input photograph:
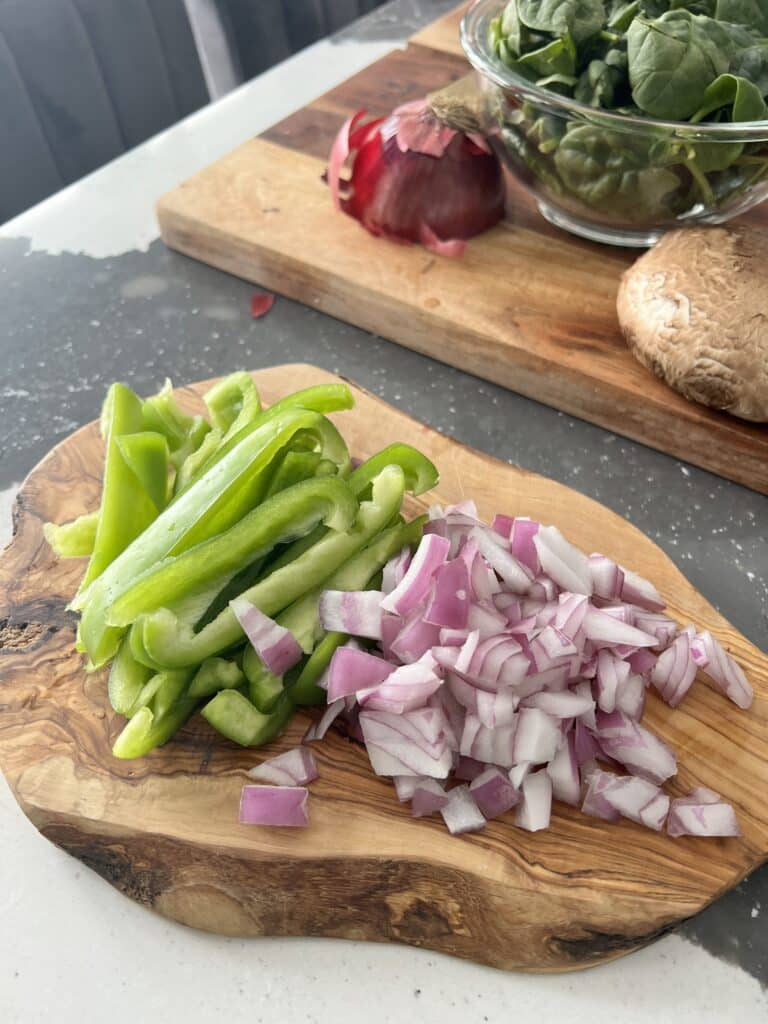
x,y
413,196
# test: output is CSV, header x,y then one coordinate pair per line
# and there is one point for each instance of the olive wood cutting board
x,y
164,829
528,307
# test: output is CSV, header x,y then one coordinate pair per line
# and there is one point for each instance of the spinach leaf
x,y
743,97
579,18
556,58
752,13
752,63
672,60
611,171
604,83
621,16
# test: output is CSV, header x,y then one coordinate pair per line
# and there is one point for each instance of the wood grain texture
x,y
164,829
529,307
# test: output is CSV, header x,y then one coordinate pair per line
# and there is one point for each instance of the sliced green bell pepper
x,y
233,397
290,513
264,688
213,675
127,678
203,509
233,715
74,539
153,723
171,642
122,491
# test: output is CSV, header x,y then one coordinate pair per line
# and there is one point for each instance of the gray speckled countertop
x,y
83,305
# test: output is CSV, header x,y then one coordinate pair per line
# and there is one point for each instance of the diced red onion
x,y
461,813
429,797
563,562
642,661
518,772
494,794
453,637
492,746
405,689
502,525
658,625
415,638
611,675
563,704
535,808
586,746
485,620
630,796
521,543
631,697
318,729
467,768
607,577
515,576
571,613
537,736
448,604
724,672
563,770
275,645
414,586
394,570
675,670
352,670
601,627
274,805
295,767
702,816
405,786
352,611
635,747
636,590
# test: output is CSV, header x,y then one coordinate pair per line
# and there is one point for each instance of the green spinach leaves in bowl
x,y
626,118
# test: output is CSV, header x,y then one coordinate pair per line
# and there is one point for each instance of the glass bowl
x,y
611,177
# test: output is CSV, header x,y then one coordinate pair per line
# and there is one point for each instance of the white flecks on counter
x,y
121,216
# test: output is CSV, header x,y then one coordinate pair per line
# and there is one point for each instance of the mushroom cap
x,y
694,309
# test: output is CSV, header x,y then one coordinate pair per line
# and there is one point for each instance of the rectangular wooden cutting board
x,y
528,307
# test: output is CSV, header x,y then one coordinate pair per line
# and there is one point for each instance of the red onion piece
x,y
414,586
503,526
702,816
429,797
636,590
285,806
467,768
515,576
415,638
521,543
535,809
394,570
352,670
564,704
461,813
274,644
358,612
448,603
261,303
607,577
518,772
724,672
563,562
601,627
630,699
494,794
612,674
675,670
635,747
318,729
492,746
563,770
295,767
405,785
537,736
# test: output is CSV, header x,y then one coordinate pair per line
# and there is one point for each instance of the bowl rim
x,y
479,55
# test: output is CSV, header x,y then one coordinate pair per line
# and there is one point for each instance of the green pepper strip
x,y
321,398
127,678
170,642
305,692
231,399
121,414
292,468
169,533
264,688
74,539
292,512
251,490
189,469
168,707
233,715
420,476
213,675
146,455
